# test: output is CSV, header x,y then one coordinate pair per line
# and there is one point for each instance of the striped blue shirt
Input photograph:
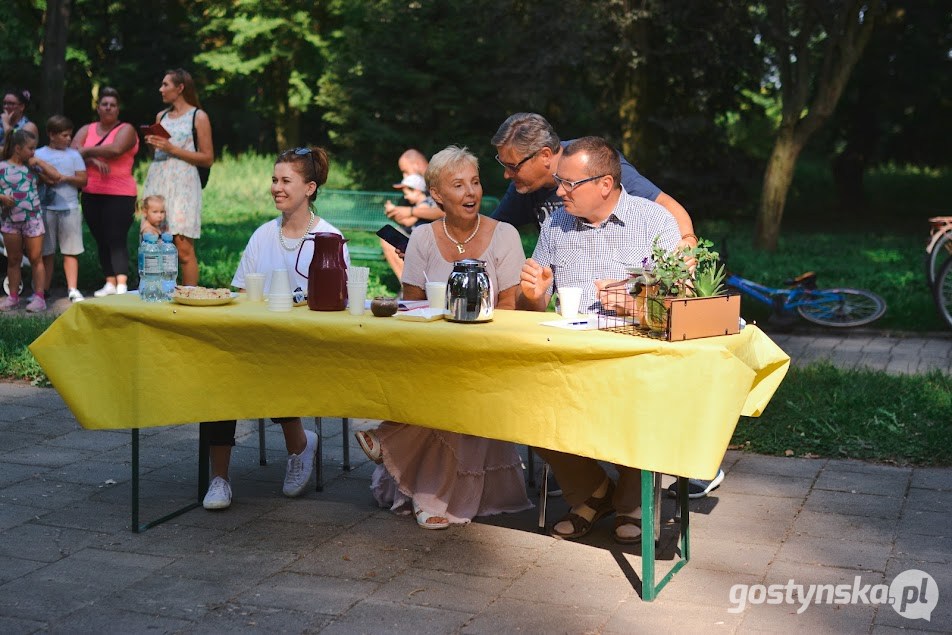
x,y
581,253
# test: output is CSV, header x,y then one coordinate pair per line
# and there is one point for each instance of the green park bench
x,y
351,210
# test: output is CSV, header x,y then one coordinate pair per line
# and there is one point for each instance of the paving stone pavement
x,y
331,562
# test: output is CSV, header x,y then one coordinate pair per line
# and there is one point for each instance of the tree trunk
x,y
773,198
633,79
54,56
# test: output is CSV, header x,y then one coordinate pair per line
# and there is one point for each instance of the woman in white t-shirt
x,y
298,173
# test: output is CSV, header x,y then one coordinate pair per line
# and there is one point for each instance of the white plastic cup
x,y
254,286
279,302
569,300
356,297
436,295
280,283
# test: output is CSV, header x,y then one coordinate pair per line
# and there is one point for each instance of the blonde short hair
x,y
144,203
446,159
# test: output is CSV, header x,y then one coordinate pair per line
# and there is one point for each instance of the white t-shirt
x,y
265,253
68,162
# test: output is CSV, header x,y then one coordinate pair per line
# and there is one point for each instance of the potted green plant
x,y
683,275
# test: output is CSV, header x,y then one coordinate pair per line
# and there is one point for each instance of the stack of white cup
x,y
279,291
357,289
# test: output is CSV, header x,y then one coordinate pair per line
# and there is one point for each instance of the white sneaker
x,y
219,494
8,304
107,289
75,295
698,488
121,288
301,467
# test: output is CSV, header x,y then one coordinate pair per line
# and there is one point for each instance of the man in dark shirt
x,y
529,151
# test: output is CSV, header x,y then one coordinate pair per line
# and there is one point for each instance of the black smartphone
x,y
395,237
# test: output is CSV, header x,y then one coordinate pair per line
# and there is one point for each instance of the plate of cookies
x,y
202,296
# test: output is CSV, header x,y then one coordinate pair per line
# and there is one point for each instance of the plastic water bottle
x,y
169,265
150,280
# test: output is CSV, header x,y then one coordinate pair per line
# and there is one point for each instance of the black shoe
x,y
698,488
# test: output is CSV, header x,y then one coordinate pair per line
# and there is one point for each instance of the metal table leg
x,y
345,422
202,482
262,449
650,506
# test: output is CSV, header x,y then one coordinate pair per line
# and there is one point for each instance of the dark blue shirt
x,y
534,207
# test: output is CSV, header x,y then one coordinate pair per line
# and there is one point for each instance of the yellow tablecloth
x,y
669,407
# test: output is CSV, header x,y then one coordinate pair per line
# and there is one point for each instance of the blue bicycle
x,y
827,307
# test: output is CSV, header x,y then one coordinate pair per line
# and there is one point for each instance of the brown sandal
x,y
621,521
580,526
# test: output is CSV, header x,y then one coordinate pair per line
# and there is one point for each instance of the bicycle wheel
x,y
935,258
842,307
942,292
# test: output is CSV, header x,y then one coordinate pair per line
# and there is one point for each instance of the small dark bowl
x,y
383,307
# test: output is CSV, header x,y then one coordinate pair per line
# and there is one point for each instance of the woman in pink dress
x,y
445,477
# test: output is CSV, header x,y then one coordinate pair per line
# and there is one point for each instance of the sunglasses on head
x,y
306,152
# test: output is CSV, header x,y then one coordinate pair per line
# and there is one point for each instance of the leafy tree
x,y
813,46
677,67
897,106
55,28
427,74
20,27
274,46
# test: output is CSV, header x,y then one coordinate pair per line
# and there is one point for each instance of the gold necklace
x,y
299,240
459,244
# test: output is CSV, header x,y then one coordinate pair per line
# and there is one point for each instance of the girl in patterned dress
x,y
21,219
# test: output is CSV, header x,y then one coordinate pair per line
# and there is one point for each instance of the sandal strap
x,y
580,526
626,520
603,504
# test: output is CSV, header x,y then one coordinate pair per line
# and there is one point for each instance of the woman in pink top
x,y
109,198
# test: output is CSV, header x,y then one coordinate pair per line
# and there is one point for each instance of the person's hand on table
x,y
535,280
613,296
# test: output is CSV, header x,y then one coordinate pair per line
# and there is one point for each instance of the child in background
x,y
61,215
152,213
21,219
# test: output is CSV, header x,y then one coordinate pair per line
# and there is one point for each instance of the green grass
x,y
888,264
15,360
859,414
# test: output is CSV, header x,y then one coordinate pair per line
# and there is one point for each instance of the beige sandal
x,y
370,445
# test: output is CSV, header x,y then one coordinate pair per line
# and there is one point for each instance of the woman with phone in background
x,y
109,198
446,477
174,169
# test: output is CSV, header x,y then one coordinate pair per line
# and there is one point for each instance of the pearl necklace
x,y
459,244
300,240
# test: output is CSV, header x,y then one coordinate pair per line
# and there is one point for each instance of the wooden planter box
x,y
691,318
688,318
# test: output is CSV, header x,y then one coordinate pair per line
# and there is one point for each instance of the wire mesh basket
x,y
622,312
